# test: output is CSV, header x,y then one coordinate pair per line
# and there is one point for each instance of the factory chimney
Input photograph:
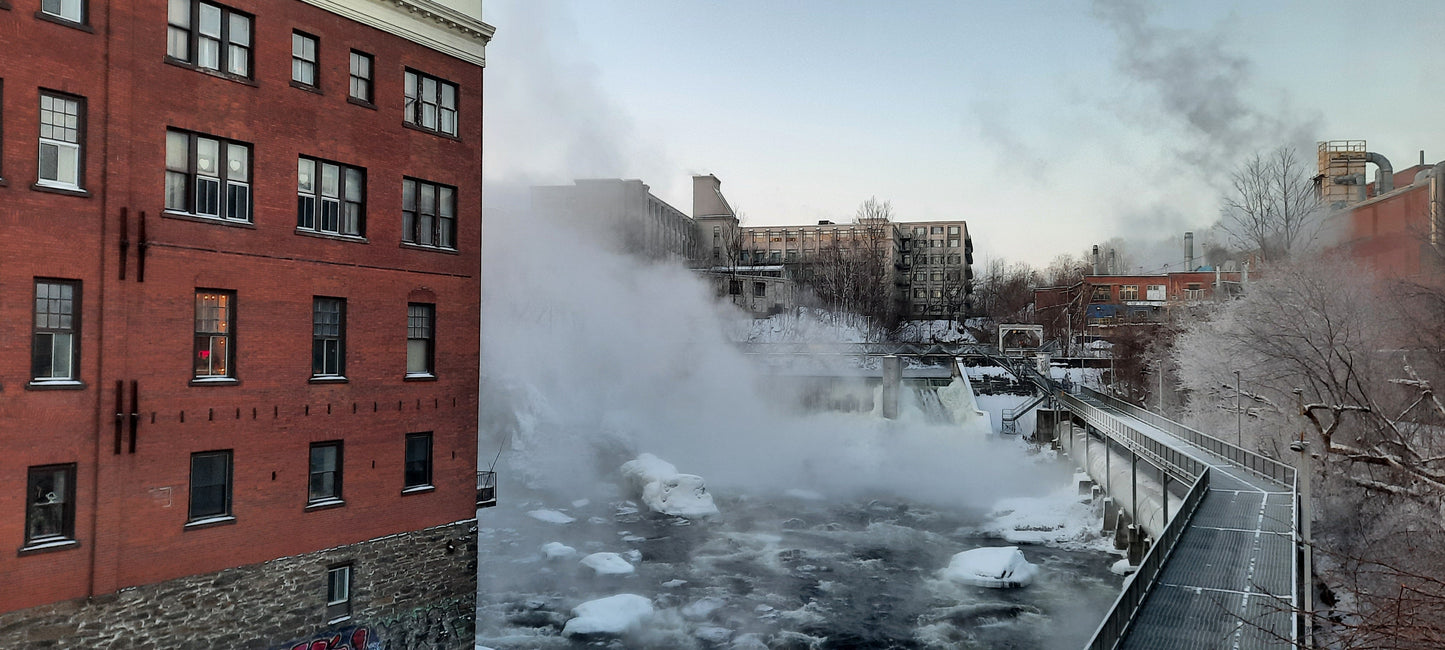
x,y
1189,251
1112,270
1096,261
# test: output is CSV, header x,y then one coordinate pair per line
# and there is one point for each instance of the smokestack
x,y
1112,270
1189,251
1096,261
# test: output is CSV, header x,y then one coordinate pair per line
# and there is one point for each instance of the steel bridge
x,y
1228,569
1225,572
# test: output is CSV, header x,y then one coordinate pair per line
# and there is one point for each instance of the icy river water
x,y
785,570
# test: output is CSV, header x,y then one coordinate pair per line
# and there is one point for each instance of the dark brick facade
x,y
135,338
412,591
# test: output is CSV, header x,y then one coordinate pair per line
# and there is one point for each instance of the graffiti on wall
x,y
444,624
354,637
438,625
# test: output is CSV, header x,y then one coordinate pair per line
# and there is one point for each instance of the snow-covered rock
x,y
557,550
607,564
550,516
610,615
996,567
1123,568
666,491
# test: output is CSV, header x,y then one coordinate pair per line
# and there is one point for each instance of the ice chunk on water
x,y
1122,567
550,516
610,615
557,550
997,567
607,564
666,491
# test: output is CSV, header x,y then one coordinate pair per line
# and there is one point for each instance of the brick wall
x,y
410,591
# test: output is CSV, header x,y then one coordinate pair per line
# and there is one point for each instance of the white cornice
x,y
425,22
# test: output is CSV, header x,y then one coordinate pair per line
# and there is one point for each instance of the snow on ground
x,y
996,567
610,615
666,491
1059,519
550,516
607,564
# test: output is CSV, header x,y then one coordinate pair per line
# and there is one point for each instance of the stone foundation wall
x,y
409,591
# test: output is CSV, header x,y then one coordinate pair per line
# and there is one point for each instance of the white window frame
x,y
76,162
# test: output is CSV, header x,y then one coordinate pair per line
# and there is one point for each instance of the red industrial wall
x,y
131,508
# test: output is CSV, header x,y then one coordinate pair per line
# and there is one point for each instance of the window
x,y
953,243
325,483
1129,292
328,337
215,333
735,287
208,177
361,76
55,351
210,37
418,461
936,230
50,505
210,486
920,231
935,243
775,256
936,276
62,128
420,340
920,293
760,289
428,214
953,230
431,103
338,593
340,194
303,59
1102,293
71,10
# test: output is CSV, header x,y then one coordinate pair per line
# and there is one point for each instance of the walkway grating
x,y
1228,583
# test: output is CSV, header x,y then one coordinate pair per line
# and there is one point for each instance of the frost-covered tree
x,y
1357,355
1272,205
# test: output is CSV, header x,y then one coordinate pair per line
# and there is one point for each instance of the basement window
x,y
338,593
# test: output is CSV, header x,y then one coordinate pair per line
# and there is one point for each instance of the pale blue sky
x,y
1048,124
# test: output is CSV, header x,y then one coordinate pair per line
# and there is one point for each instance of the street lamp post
x,y
1238,413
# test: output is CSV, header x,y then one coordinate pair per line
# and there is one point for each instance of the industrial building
x,y
1395,224
239,302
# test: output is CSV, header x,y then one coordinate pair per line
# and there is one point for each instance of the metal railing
x,y
1265,467
486,489
1177,464
1126,606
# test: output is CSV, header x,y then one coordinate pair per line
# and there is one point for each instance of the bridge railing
x,y
1256,463
1121,615
1177,464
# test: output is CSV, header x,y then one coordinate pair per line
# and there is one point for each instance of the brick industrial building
x,y
239,285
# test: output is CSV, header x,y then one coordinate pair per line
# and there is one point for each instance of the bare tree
x,y
854,272
1366,364
1272,206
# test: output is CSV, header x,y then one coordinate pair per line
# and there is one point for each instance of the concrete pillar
x,y
1111,515
1046,425
892,379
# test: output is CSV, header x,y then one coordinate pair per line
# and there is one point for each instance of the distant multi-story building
x,y
1094,307
624,213
239,322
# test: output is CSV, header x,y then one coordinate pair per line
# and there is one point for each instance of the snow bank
x,y
610,615
1059,519
666,491
607,564
550,516
996,567
933,331
557,550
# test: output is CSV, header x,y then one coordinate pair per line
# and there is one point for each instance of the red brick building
x,y
1387,225
239,287
1090,309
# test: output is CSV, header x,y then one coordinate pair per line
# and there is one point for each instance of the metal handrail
x,y
1177,464
1126,606
1258,464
